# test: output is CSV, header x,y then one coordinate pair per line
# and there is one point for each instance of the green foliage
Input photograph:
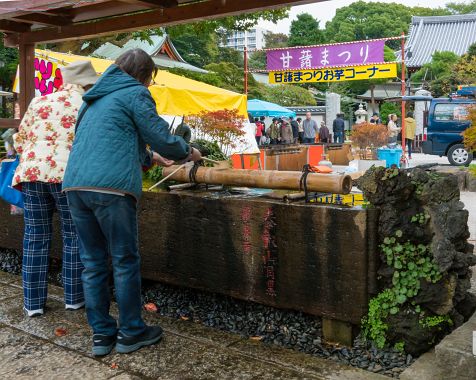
x,y
472,169
420,218
440,66
389,174
154,173
305,31
212,148
289,96
434,321
388,109
411,264
366,20
461,8
399,346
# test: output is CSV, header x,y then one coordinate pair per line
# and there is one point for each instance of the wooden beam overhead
x,y
43,19
155,3
12,26
156,18
111,8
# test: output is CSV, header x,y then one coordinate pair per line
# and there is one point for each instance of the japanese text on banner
x,y
357,53
338,74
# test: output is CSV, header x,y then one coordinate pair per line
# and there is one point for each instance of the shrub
x,y
367,135
225,127
470,133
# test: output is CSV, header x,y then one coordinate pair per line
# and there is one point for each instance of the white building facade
x,y
253,39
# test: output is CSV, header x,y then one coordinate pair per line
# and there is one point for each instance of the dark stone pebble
x,y
286,328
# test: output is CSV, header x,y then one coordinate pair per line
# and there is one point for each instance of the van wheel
x,y
459,156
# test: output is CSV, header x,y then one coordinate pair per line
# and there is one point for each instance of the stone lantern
x,y
360,115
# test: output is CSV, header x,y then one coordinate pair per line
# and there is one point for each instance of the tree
x,y
305,31
289,95
198,50
387,109
461,8
275,40
364,20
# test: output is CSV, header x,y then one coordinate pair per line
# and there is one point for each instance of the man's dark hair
x,y
375,114
138,64
256,119
410,114
299,119
262,118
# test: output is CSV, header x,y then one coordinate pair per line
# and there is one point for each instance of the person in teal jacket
x,y
103,182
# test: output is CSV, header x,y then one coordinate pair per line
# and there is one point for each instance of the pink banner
x,y
352,53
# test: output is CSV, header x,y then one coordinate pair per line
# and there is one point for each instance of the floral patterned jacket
x,y
46,134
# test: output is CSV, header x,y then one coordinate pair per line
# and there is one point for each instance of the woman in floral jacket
x,y
44,141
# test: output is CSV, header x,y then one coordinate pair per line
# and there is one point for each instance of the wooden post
x,y
27,75
245,57
403,94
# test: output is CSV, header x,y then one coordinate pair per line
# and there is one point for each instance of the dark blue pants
x,y
309,140
40,200
339,137
107,225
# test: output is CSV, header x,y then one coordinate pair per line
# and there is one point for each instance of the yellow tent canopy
x,y
173,94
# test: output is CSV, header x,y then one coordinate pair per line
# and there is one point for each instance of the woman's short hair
x,y
410,114
138,64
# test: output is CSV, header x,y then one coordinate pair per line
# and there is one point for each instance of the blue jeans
x,y
309,140
107,225
339,137
40,200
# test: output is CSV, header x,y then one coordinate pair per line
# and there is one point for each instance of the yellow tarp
x,y
173,94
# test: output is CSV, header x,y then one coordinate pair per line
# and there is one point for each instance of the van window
x,y
451,112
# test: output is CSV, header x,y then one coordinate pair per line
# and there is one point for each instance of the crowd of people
x,y
83,149
288,130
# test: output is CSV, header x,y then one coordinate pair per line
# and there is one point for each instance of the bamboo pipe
x,y
266,179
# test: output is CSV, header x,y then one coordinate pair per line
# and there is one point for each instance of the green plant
x,y
390,173
154,173
399,346
411,264
420,218
434,321
472,169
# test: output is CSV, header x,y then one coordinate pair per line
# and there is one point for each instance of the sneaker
x,y
76,306
33,313
103,344
126,344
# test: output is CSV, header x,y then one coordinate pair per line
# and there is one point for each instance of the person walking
x,y
274,132
301,130
103,182
393,129
324,134
295,128
410,132
259,130
310,129
286,132
338,127
44,140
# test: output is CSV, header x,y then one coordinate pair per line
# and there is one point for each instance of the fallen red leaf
x,y
152,307
257,338
114,366
184,318
60,331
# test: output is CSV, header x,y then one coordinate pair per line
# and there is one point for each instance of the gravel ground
x,y
290,329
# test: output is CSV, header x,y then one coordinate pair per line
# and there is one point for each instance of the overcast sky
x,y
325,11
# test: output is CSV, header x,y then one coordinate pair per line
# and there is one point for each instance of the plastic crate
x,y
391,156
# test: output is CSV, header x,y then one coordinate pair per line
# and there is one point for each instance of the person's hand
x,y
161,161
195,155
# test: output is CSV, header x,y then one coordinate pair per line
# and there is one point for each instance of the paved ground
x,y
29,348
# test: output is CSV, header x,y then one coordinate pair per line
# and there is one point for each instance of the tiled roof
x,y
439,33
111,51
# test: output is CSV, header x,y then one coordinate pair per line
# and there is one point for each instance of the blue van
x,y
446,120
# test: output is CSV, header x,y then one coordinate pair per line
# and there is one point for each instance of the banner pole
x,y
403,159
